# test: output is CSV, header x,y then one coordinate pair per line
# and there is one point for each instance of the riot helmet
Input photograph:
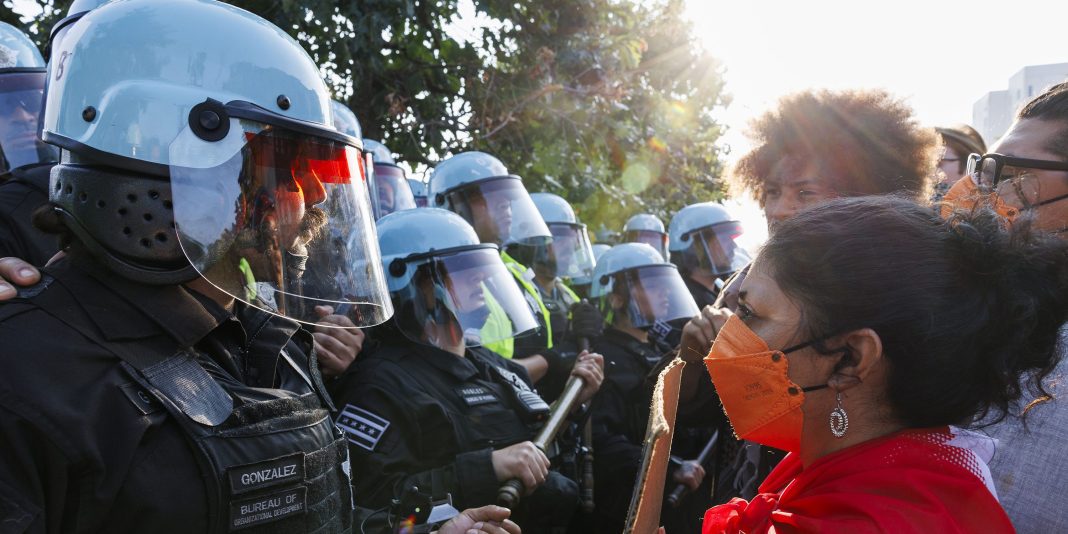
x,y
646,228
478,187
632,278
450,290
211,153
703,237
22,84
569,254
390,191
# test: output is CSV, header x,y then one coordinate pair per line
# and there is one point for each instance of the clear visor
x,y
653,294
21,98
391,191
717,250
282,222
466,298
657,240
570,254
501,212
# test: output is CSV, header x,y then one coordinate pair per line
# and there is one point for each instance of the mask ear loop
x,y
846,351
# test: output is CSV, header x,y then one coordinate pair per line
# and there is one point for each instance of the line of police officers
x,y
215,208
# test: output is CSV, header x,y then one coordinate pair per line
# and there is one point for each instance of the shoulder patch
x,y
362,428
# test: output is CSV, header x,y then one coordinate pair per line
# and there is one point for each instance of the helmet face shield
x,y
21,98
653,293
465,298
716,250
391,191
501,212
281,221
570,254
657,240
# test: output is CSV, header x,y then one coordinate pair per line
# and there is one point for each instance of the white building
x,y
992,114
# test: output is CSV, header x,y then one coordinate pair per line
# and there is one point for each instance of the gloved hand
x,y
586,321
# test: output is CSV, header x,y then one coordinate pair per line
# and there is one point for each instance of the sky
x,y
941,56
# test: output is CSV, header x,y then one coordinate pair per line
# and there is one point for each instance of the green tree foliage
x,y
608,103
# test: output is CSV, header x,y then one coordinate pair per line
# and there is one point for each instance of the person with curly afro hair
x,y
818,145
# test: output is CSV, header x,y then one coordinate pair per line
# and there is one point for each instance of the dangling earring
x,y
839,418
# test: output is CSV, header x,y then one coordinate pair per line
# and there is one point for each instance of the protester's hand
x,y
486,520
700,332
15,272
523,461
336,348
690,473
586,321
589,367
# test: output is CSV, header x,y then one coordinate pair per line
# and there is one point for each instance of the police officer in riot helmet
x,y
646,228
635,289
25,161
390,191
701,240
554,266
180,389
479,188
433,417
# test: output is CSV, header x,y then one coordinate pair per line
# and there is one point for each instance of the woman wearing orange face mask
x,y
860,359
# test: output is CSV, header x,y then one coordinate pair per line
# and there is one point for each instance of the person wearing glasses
x,y
1025,175
958,141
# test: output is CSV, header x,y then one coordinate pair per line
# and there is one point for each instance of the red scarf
x,y
910,481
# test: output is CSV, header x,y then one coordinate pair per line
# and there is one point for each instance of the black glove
x,y
586,321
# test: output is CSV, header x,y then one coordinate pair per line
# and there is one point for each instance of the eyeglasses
x,y
990,169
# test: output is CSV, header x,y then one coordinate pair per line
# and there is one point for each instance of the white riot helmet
x,y
633,276
211,153
447,286
390,191
646,228
702,236
22,83
569,255
477,186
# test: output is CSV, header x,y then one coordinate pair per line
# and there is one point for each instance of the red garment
x,y
910,481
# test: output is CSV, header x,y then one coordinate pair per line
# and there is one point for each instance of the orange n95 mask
x,y
763,405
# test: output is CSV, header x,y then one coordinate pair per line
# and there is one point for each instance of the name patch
x,y
362,428
246,478
476,395
268,508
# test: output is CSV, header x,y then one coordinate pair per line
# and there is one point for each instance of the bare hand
x,y
700,332
336,348
17,272
523,461
590,367
486,520
690,473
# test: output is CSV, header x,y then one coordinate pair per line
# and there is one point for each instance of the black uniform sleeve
x,y
416,448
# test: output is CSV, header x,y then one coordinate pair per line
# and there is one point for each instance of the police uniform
x,y
620,416
419,416
134,408
20,196
701,294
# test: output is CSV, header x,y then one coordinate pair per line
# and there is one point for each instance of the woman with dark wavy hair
x,y
866,330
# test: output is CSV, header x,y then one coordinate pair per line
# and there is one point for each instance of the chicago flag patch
x,y
363,428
